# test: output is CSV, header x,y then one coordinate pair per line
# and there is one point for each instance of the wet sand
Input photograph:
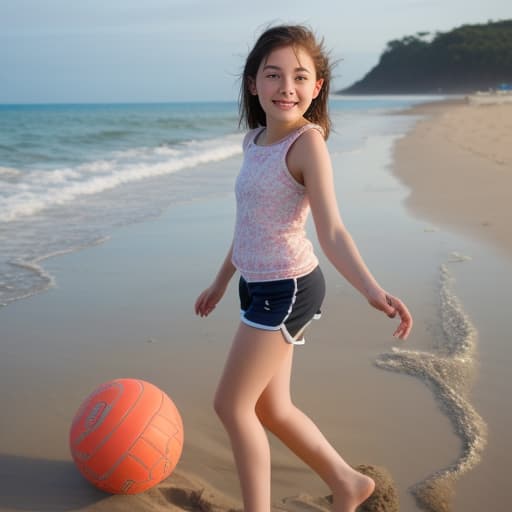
x,y
457,166
124,308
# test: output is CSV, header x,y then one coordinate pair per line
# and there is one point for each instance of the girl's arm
x,y
210,297
310,156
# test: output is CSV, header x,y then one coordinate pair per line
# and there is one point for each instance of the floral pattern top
x,y
270,241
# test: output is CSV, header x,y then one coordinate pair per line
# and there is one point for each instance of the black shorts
x,y
288,305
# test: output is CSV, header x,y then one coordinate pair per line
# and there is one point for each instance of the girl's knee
x,y
220,405
228,409
273,415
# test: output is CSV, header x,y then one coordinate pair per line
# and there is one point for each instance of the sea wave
x,y
42,189
9,172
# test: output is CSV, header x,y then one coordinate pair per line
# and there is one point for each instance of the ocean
x,y
71,174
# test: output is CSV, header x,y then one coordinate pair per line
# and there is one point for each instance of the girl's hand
x,y
392,306
207,301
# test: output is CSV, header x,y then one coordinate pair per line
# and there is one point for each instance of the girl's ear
x,y
318,87
251,82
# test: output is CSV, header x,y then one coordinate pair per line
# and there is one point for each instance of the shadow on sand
x,y
43,485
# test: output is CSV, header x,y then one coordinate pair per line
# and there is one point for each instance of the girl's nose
x,y
287,88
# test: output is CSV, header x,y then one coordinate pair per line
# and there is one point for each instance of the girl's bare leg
x,y
277,413
255,357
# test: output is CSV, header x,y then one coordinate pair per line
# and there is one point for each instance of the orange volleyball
x,y
126,437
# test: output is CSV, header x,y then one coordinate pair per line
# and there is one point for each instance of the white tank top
x,y
270,240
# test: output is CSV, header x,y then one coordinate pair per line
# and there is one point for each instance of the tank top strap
x,y
287,143
250,136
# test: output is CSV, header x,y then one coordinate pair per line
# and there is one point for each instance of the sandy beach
x,y
457,164
440,416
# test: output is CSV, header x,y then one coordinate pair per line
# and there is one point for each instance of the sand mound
x,y
384,498
182,492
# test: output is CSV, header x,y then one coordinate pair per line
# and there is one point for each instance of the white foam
x,y
9,172
44,189
55,177
98,166
42,279
447,371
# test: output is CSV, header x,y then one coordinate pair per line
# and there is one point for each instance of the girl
x,y
286,172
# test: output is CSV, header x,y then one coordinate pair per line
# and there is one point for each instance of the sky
x,y
76,51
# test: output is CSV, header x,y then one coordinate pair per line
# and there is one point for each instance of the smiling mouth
x,y
284,104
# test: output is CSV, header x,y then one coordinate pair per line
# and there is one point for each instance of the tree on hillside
x,y
466,58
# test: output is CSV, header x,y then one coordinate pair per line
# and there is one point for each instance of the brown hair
x,y
296,36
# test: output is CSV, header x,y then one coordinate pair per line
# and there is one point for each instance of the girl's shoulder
x,y
306,133
311,126
309,150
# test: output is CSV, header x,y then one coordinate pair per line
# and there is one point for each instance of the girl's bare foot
x,y
351,492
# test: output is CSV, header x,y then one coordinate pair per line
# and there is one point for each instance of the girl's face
x,y
286,84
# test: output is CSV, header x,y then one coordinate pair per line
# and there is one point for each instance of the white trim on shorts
x,y
281,327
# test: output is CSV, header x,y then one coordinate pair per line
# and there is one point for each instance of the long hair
x,y
299,37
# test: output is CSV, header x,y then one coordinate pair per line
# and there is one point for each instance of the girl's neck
x,y
275,132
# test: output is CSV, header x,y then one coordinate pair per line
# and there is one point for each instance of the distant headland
x,y
461,61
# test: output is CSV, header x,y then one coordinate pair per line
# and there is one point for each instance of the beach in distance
x,y
113,218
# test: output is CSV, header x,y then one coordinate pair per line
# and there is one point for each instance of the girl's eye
x,y
301,78
273,76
